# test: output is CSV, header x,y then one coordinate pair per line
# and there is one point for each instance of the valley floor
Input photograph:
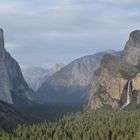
x,y
90,125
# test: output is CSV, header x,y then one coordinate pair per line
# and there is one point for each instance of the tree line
x,y
90,125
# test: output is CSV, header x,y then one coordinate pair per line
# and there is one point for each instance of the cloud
x,y
118,1
62,30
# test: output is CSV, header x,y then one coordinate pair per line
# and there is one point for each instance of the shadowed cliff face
x,y
12,84
5,94
114,75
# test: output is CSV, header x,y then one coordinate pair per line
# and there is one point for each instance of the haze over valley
x,y
69,70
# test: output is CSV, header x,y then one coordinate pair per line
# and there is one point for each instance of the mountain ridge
x,y
110,81
71,84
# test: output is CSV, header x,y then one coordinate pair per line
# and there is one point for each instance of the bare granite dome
x,y
135,36
132,48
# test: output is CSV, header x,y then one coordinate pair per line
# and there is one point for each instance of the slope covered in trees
x,y
91,125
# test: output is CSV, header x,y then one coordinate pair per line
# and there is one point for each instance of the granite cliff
x,y
13,88
70,85
116,83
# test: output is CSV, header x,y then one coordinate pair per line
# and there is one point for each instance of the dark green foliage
x,y
91,125
51,112
10,116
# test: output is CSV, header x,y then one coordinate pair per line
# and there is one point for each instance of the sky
x,y
45,32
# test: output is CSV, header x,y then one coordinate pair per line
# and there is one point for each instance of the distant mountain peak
x,y
135,36
131,52
35,76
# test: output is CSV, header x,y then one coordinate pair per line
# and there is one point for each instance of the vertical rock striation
x,y
117,81
5,94
13,88
131,53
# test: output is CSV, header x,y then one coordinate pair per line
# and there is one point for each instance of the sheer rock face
x,y
114,89
132,48
107,84
71,83
12,84
110,81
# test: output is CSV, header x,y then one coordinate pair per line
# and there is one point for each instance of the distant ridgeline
x,y
108,78
71,85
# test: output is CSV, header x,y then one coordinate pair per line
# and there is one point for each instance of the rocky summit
x,y
131,52
116,83
13,88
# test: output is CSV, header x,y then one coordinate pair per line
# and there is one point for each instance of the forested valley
x,y
103,124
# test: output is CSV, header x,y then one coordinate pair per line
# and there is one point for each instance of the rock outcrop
x,y
71,84
13,88
132,48
118,77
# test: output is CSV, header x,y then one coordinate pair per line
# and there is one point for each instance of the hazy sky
x,y
44,32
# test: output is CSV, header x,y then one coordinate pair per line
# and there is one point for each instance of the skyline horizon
x,y
62,30
49,65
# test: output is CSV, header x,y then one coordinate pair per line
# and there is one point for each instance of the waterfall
x,y
128,93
